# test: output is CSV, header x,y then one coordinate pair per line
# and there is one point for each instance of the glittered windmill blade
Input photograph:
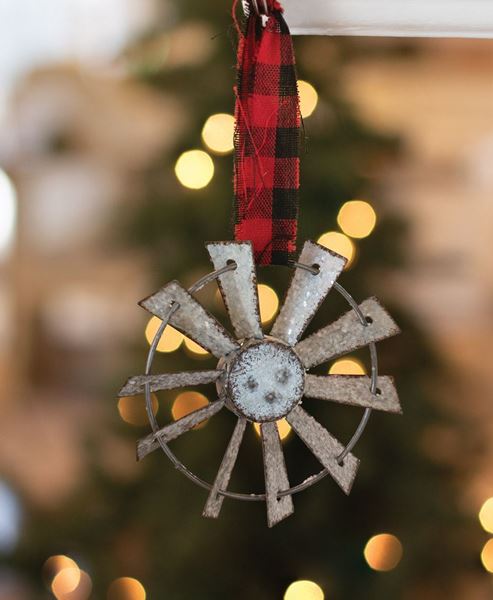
x,y
215,499
190,318
354,390
170,432
276,476
263,378
307,292
239,286
167,381
347,334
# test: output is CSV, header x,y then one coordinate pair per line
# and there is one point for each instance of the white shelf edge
x,y
392,18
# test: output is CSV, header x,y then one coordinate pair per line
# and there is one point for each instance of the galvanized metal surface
x,y
170,432
265,380
354,390
325,447
276,476
307,291
347,334
309,424
238,287
167,381
215,499
191,319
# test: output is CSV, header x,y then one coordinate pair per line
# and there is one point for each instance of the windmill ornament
x,y
263,377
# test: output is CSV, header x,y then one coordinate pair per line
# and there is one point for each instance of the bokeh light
x,y
304,590
340,243
357,218
54,564
283,427
81,592
132,409
10,518
126,588
347,366
487,556
170,340
195,349
8,212
486,515
268,301
186,403
194,169
383,552
308,98
218,133
66,581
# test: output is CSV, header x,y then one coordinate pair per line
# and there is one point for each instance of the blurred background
x,y
115,167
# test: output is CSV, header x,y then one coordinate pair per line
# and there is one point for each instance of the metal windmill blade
x,y
263,378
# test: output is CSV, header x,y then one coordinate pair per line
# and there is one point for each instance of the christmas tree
x,y
151,527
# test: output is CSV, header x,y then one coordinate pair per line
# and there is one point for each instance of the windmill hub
x,y
265,380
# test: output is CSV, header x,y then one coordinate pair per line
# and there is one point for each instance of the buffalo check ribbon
x,y
267,138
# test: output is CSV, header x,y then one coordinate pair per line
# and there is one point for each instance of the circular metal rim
x,y
313,479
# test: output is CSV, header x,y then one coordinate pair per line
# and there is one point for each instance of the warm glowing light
x,y
304,590
218,133
170,340
55,564
126,588
383,552
186,403
486,515
487,556
65,582
283,427
82,591
308,98
8,212
347,366
133,410
195,348
357,218
340,243
268,301
194,169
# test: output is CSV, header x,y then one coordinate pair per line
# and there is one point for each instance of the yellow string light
x,y
304,590
218,133
269,303
339,243
186,403
357,218
126,588
283,427
55,564
132,409
194,169
66,581
486,515
170,340
487,556
308,98
195,349
383,552
347,366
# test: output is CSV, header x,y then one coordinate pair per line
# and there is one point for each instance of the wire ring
x,y
310,480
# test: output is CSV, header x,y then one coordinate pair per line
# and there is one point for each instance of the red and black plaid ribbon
x,y
267,139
